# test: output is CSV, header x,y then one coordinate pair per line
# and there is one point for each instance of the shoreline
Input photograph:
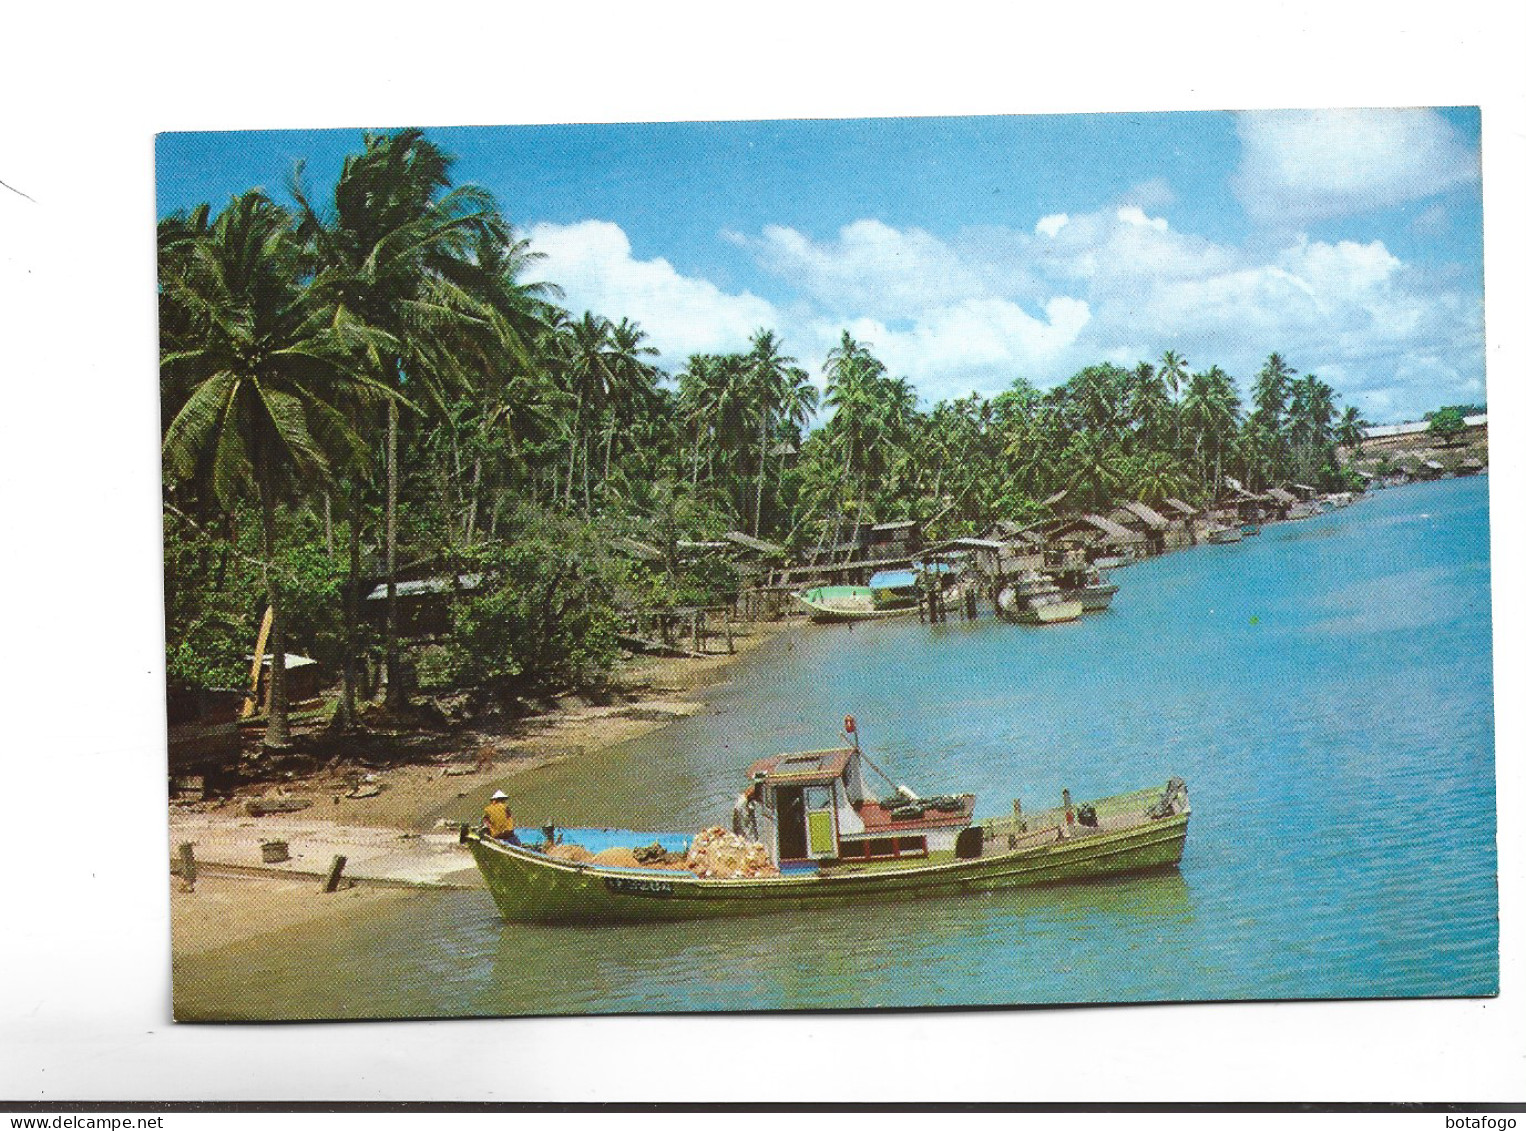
x,y
397,839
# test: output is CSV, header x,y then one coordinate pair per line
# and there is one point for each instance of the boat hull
x,y
1060,612
1095,598
529,887
827,607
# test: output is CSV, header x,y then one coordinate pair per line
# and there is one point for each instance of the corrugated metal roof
x,y
1409,427
751,543
427,585
1153,519
636,549
1281,495
292,660
1181,507
1110,528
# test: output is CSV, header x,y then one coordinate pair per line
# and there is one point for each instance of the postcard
x,y
819,565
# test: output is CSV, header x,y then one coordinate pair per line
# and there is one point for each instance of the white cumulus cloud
x,y
592,262
1134,215
1050,225
1303,165
975,344
985,305
900,273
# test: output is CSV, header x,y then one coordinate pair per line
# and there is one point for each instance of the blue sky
x,y
969,251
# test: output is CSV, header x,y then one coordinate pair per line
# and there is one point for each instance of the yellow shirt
x,y
499,820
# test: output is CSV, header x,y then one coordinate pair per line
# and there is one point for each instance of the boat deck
x,y
877,818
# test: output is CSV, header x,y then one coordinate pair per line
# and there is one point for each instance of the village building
x,y
1101,538
304,679
1181,529
1279,501
1148,523
423,603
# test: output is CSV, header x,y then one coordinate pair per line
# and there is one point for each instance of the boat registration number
x,y
631,886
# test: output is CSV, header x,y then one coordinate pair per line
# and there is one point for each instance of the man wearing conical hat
x,y
499,819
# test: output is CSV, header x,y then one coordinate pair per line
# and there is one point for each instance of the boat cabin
x,y
813,808
892,587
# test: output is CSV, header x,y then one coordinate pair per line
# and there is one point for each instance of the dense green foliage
x,y
367,381
1446,424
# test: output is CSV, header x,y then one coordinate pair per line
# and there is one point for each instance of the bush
x,y
1446,425
544,617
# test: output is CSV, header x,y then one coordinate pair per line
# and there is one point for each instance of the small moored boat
x,y
1035,598
835,844
1091,586
1219,536
836,603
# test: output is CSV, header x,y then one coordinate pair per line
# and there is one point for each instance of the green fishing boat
x,y
830,604
833,844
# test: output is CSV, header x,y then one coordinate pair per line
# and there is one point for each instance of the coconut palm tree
x,y
389,258
798,401
1211,417
269,387
633,380
1351,429
1149,405
853,374
1094,470
1155,477
1270,393
767,368
1174,372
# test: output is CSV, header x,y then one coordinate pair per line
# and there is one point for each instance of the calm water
x,y
1324,689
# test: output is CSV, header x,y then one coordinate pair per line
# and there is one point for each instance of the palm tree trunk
x,y
396,695
609,443
572,448
278,722
471,511
587,489
347,714
757,510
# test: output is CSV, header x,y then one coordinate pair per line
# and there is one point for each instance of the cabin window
x,y
911,846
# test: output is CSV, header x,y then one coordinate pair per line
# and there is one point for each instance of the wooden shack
x,y
892,540
1279,501
758,563
423,603
304,679
1100,537
1145,521
1236,505
203,728
1182,528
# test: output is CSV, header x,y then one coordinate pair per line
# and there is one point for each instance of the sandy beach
x,y
396,841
